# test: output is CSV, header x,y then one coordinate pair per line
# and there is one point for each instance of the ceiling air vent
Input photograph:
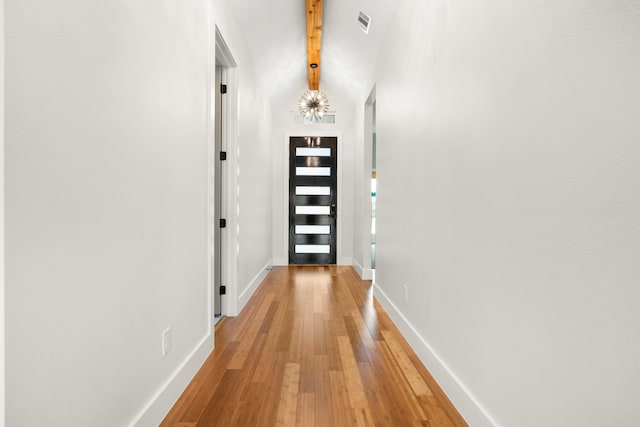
x,y
364,21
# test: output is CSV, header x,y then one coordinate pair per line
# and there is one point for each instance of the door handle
x,y
332,211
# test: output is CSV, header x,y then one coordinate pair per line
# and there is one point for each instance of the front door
x,y
312,200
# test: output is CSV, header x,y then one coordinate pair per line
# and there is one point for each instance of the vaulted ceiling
x,y
276,33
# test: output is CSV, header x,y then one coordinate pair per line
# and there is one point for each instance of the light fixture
x,y
313,104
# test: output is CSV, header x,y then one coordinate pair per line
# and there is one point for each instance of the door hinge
x,y
223,223
223,89
223,290
223,155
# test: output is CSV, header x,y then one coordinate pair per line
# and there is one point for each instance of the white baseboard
x,y
364,273
164,399
464,401
247,293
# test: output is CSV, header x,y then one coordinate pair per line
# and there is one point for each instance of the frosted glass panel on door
x,y
304,171
312,210
313,229
313,249
312,191
317,152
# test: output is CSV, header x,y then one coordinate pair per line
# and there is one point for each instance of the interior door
x,y
312,200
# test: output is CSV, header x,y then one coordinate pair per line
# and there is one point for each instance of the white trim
x,y
223,53
248,292
461,397
167,395
364,273
285,218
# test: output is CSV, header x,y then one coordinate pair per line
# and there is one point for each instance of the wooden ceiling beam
x,y
314,41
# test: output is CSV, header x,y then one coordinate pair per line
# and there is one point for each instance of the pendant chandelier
x,y
313,105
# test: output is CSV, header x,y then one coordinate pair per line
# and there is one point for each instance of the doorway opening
x,y
368,238
219,178
374,193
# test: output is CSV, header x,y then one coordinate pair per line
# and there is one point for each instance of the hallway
x,y
312,347
146,184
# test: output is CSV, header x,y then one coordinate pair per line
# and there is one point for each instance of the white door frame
x,y
223,57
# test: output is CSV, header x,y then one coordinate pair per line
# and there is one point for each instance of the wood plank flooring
x,y
312,348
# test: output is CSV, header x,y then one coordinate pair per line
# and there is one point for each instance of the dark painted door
x,y
312,200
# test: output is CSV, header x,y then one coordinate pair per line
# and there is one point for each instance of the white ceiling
x,y
276,33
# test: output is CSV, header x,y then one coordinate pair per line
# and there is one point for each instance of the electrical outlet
x,y
166,341
406,293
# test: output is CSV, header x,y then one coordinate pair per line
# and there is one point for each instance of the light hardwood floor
x,y
312,348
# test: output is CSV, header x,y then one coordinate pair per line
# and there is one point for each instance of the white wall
x,y
106,167
2,321
508,177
